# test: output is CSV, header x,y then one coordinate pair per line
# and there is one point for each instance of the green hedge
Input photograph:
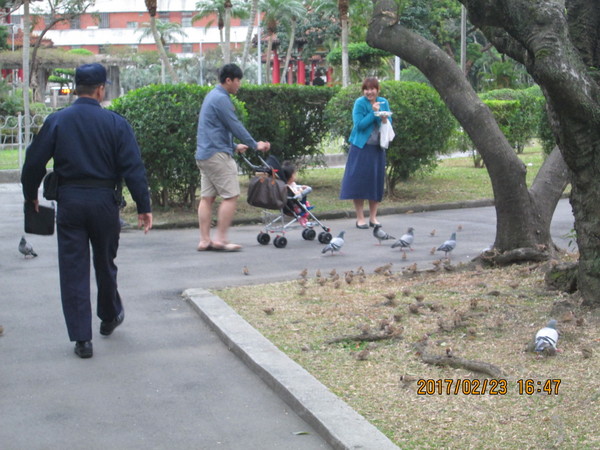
x,y
164,119
291,117
421,121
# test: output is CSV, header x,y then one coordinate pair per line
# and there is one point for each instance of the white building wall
x,y
131,36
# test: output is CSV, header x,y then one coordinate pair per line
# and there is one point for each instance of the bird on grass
x,y
335,245
547,338
380,234
406,240
448,246
26,249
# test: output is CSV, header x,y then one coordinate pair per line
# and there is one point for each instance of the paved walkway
x,y
167,379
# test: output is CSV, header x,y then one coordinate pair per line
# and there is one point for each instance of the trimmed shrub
x,y
290,117
421,121
517,113
164,119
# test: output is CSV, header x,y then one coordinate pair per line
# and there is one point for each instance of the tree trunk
x,y
523,216
343,7
561,53
253,11
268,59
161,51
227,44
288,55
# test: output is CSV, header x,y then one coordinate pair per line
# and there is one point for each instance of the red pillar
x,y
276,69
330,76
301,78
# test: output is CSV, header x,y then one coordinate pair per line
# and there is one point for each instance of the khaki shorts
x,y
219,176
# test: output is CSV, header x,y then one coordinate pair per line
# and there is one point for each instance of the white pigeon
x,y
448,246
380,234
406,240
335,245
546,337
25,248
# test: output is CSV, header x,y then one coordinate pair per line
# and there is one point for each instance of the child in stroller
x,y
299,192
296,206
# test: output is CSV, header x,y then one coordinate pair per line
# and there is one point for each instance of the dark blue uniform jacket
x,y
87,142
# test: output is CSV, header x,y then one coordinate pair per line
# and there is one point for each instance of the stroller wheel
x,y
263,238
280,242
325,238
309,234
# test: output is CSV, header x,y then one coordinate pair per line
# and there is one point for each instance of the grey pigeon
x,y
448,246
381,235
547,337
335,245
25,248
406,240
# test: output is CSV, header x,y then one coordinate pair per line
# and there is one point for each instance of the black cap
x,y
90,75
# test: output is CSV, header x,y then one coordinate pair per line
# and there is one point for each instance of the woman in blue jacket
x,y
364,175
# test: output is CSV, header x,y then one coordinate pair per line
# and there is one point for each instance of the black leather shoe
x,y
372,224
107,327
364,226
84,349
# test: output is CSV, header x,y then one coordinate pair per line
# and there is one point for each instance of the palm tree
x,y
224,10
166,31
151,6
278,11
329,7
344,6
253,12
294,11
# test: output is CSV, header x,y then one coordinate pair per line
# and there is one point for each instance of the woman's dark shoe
x,y
84,349
364,226
372,224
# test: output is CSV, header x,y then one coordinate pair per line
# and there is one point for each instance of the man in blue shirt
x,y
93,150
217,126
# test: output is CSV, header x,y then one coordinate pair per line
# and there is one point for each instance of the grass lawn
x,y
484,315
455,179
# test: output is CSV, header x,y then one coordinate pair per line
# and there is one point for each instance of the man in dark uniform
x,y
94,149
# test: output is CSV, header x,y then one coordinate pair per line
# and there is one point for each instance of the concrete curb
x,y
334,420
350,214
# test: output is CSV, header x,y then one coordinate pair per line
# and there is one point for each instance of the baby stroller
x,y
293,207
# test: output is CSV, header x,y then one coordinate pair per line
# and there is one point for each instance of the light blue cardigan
x,y
364,119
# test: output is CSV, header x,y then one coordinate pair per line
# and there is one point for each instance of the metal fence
x,y
13,140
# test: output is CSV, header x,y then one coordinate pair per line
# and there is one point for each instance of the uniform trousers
x,y
87,216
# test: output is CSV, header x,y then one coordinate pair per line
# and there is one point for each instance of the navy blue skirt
x,y
364,177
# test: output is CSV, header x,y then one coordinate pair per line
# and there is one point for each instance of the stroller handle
x,y
265,167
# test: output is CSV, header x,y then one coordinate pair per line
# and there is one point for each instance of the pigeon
x,y
25,248
546,337
448,246
335,245
381,235
406,240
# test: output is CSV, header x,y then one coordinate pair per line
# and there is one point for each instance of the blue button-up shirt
x,y
218,125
